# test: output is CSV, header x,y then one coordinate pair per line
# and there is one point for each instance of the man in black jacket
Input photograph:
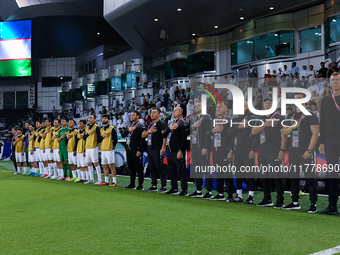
x,y
199,125
244,152
154,133
174,139
221,143
271,152
134,147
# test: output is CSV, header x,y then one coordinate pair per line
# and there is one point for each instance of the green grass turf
x,y
40,216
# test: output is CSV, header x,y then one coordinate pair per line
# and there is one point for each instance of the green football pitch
x,y
41,216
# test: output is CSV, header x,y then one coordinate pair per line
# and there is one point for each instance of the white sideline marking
x,y
330,251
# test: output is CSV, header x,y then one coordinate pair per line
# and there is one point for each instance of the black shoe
x,y
139,188
218,197
278,205
81,181
207,195
196,194
312,208
236,200
291,206
162,190
249,201
173,192
130,187
229,198
330,211
265,202
152,188
183,193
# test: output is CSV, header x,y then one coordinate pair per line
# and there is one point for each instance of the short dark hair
x,y
94,116
49,119
313,103
32,125
158,110
83,121
57,120
106,116
18,128
38,121
63,118
136,112
75,122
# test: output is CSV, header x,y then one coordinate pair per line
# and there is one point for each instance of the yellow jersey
x,y
42,141
20,144
71,143
36,142
48,137
91,140
55,144
106,143
80,142
31,143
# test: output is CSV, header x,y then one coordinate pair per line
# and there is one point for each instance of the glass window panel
x,y
286,46
265,46
334,29
242,52
310,39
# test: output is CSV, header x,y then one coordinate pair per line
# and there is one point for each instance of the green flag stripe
x,y
13,68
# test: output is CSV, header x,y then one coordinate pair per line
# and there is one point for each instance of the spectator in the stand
x,y
142,97
267,77
296,81
114,103
315,98
338,61
326,92
314,107
310,73
279,73
304,82
284,82
288,109
245,93
169,103
145,103
74,111
322,71
232,81
294,70
171,91
333,68
157,96
304,71
184,107
328,60
190,107
177,92
45,115
120,108
92,111
313,87
259,99
158,104
321,81
187,93
162,91
274,75
166,97
324,85
104,110
148,97
123,103
252,74
286,71
78,111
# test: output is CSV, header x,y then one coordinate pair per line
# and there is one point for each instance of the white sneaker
x,y
47,177
98,182
24,173
59,178
90,181
53,177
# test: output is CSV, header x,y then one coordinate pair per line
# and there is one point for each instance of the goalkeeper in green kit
x,y
63,148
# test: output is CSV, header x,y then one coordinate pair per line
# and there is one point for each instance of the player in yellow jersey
x,y
19,143
31,151
37,139
47,155
58,168
81,159
71,149
108,142
92,138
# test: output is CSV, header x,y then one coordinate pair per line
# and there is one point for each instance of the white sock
x,y
221,194
91,172
50,169
106,179
59,172
46,170
41,167
25,169
114,179
99,173
295,203
239,193
55,171
18,169
199,191
82,175
78,172
74,174
251,193
55,166
87,175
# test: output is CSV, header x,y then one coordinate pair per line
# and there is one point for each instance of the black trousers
x,y
269,158
241,158
136,167
13,158
156,168
295,159
332,150
177,169
220,159
199,160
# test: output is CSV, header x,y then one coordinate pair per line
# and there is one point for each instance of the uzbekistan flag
x,y
15,48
